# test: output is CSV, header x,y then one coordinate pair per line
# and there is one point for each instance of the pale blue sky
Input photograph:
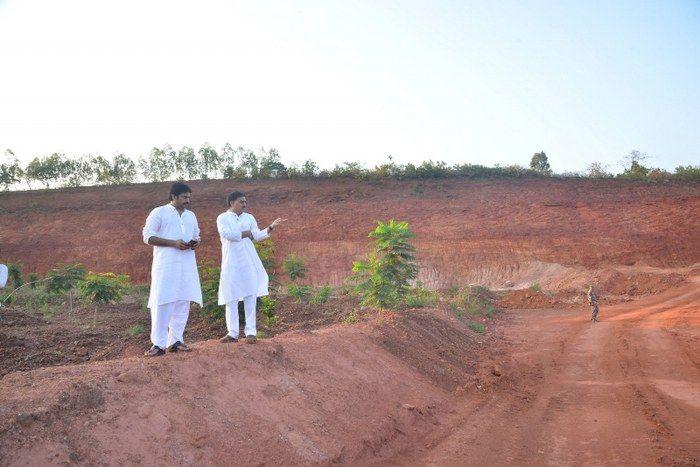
x,y
460,81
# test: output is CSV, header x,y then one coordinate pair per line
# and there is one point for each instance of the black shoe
x,y
179,346
228,338
250,339
154,351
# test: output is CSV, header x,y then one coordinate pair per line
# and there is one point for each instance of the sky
x,y
348,80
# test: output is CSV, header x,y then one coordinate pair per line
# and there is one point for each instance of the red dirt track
x,y
541,386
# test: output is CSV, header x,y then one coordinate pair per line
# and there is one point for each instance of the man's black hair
x,y
233,196
177,189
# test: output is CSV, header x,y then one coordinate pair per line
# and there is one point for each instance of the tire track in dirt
x,y
621,391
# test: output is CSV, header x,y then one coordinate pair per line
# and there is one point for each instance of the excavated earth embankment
x,y
501,234
341,394
539,386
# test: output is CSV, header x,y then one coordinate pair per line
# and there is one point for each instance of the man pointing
x,y
243,277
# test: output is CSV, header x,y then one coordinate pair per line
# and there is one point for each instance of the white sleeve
x,y
258,235
152,227
226,231
196,232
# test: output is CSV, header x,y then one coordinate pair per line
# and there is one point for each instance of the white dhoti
x,y
233,322
168,323
243,276
174,276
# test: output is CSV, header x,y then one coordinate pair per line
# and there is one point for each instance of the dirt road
x,y
540,387
625,390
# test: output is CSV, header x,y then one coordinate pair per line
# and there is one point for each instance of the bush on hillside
x,y
295,267
103,287
383,280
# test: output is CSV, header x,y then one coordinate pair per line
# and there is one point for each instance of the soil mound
x,y
340,394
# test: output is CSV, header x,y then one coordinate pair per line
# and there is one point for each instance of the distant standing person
x,y
173,231
243,277
593,302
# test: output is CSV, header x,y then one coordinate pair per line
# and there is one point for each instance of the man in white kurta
x,y
174,233
243,277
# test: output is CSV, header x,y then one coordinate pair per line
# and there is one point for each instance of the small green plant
x,y
535,287
32,279
210,275
476,327
475,301
48,310
6,298
420,297
266,251
33,300
300,292
260,335
351,318
268,305
322,295
103,288
14,272
136,330
63,278
295,267
383,279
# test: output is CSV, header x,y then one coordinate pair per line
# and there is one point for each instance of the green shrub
x,y
687,173
209,276
348,170
268,306
14,272
322,295
6,298
62,279
300,292
535,287
420,297
476,327
48,310
295,267
32,279
104,287
383,280
475,301
136,329
34,300
266,251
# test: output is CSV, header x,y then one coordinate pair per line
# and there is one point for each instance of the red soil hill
x,y
488,232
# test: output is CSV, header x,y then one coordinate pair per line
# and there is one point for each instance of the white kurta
x,y
242,272
174,273
3,275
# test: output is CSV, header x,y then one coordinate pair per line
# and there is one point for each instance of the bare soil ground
x,y
539,387
89,334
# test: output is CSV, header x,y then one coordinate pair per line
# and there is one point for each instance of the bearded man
x,y
173,231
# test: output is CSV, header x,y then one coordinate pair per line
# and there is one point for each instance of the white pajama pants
x,y
168,323
233,322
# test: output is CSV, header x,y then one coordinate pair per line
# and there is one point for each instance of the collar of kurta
x,y
175,209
